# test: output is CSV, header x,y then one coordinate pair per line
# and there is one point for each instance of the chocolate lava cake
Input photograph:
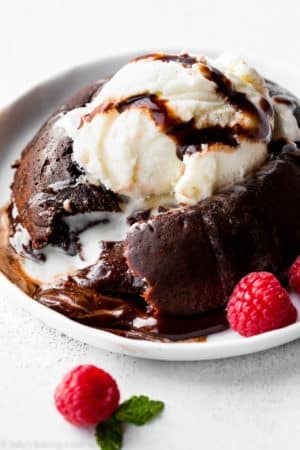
x,y
175,269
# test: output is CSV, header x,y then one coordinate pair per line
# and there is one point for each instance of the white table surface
x,y
248,403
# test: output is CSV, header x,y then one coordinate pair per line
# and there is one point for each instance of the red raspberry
x,y
259,303
294,275
87,395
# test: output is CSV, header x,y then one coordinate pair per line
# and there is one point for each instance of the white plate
x,y
18,122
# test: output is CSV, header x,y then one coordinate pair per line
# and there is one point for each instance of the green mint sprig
x,y
138,410
109,434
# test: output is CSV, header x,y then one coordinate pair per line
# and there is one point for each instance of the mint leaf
x,y
108,434
138,410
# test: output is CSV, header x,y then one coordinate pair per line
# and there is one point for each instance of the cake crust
x,y
192,258
47,183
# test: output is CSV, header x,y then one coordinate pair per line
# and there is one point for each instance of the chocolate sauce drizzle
x,y
188,137
239,100
184,58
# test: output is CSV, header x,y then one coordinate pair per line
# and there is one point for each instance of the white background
x,y
244,403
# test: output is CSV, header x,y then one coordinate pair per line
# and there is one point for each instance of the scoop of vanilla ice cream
x,y
128,137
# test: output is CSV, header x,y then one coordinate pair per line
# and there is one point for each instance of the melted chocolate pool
x,y
82,298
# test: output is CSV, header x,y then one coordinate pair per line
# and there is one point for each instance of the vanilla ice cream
x,y
179,126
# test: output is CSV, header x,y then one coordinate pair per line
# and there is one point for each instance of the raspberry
x,y
87,395
259,303
294,275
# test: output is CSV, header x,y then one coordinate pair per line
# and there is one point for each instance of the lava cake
x,y
143,200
